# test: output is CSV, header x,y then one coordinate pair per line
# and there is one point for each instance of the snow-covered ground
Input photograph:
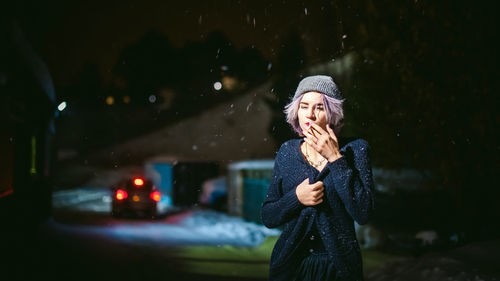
x,y
196,227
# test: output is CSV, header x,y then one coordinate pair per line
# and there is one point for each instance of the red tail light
x,y
121,194
155,195
138,182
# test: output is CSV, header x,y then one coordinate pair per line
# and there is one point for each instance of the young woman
x,y
320,185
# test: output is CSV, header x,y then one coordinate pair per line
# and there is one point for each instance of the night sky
x,y
69,34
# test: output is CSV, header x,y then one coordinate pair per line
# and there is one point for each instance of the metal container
x,y
248,182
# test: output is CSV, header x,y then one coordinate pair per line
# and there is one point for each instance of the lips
x,y
308,124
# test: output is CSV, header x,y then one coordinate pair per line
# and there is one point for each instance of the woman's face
x,y
312,110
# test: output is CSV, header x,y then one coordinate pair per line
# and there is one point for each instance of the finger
x,y
310,136
317,202
322,140
319,187
311,143
316,186
317,190
318,129
331,132
317,195
311,130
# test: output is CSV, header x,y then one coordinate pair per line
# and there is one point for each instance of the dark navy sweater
x,y
348,196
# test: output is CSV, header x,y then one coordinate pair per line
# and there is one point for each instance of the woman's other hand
x,y
310,194
325,143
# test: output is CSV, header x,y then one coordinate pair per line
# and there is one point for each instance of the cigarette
x,y
311,128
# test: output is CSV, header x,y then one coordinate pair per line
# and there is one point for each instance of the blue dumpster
x,y
248,182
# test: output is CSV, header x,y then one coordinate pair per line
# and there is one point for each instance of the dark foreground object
x,y
35,253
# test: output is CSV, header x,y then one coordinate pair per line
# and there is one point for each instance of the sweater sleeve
x,y
279,208
353,182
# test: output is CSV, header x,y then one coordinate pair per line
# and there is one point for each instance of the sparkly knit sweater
x,y
348,196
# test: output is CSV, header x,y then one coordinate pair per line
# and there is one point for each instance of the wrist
x,y
334,157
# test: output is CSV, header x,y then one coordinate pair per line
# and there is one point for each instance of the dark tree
x,y
147,65
87,91
286,77
424,93
251,67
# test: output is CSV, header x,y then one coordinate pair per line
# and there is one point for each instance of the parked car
x,y
135,196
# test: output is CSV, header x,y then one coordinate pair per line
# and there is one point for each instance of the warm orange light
x,y
155,195
121,194
110,100
138,182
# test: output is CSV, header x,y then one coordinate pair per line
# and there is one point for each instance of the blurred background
x,y
189,96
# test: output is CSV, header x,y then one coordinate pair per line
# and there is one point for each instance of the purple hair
x,y
333,110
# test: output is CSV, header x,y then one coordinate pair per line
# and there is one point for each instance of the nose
x,y
310,113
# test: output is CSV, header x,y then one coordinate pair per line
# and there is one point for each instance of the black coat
x,y
348,195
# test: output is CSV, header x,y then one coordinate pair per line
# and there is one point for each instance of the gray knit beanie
x,y
318,83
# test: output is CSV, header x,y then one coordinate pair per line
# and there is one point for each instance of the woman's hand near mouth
x,y
324,142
